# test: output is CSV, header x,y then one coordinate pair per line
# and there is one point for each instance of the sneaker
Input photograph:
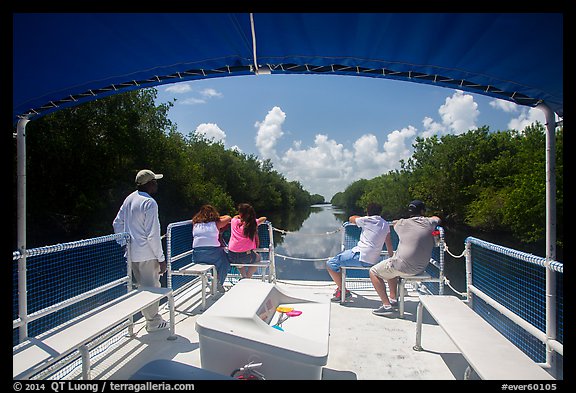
x,y
384,311
162,325
221,288
394,303
337,296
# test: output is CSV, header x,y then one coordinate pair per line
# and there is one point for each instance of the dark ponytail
x,y
248,217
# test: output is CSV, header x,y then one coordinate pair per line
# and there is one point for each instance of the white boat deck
x,y
362,346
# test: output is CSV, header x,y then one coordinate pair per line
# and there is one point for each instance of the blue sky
x,y
328,131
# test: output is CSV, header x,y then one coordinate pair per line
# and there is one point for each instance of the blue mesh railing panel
x,y
179,242
350,237
264,236
55,274
517,281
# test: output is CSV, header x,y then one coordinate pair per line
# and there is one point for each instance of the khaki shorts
x,y
385,271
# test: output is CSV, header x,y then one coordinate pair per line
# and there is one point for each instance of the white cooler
x,y
238,329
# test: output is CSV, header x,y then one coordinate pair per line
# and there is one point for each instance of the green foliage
x,y
487,180
81,164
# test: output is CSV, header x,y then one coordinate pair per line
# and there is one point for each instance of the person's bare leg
x,y
336,277
380,288
250,271
243,271
393,285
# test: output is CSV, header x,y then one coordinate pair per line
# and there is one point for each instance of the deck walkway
x,y
362,346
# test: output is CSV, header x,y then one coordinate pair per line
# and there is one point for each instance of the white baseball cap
x,y
145,175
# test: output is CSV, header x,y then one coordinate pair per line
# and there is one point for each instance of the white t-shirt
x,y
372,238
138,216
205,234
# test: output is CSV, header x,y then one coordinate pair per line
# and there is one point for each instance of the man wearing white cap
x,y
138,216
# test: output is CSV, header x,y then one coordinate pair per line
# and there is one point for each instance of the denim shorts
x,y
346,258
246,257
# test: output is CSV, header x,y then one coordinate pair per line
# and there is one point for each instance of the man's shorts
x,y
385,271
346,258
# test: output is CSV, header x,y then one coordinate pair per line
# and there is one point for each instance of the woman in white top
x,y
206,246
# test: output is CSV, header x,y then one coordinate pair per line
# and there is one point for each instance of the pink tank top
x,y
239,242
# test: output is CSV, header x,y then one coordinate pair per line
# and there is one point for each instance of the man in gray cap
x,y
411,257
138,216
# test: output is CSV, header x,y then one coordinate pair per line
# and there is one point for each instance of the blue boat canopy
x,y
62,60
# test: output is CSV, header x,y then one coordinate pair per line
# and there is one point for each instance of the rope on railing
x,y
454,256
283,231
447,282
302,259
328,284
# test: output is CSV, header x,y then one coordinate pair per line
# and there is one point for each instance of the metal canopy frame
x,y
363,68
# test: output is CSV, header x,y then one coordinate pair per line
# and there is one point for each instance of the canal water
x,y
302,249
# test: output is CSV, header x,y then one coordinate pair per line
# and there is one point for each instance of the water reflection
x,y
311,235
318,237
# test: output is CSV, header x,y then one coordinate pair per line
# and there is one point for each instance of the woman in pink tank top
x,y
244,239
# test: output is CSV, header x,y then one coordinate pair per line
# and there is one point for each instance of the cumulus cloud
x,y
526,117
211,131
324,168
459,113
269,132
506,106
327,166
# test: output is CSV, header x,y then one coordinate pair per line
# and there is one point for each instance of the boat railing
x,y
520,294
52,285
360,279
179,253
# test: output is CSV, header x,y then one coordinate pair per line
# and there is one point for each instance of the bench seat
x,y
38,353
490,354
202,270
424,277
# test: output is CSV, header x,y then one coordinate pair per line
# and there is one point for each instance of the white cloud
x,y
432,127
459,113
209,93
325,168
328,167
506,106
186,87
269,132
526,117
211,131
179,88
192,101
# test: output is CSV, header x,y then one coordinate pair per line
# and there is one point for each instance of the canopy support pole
x,y
550,230
21,223
257,70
